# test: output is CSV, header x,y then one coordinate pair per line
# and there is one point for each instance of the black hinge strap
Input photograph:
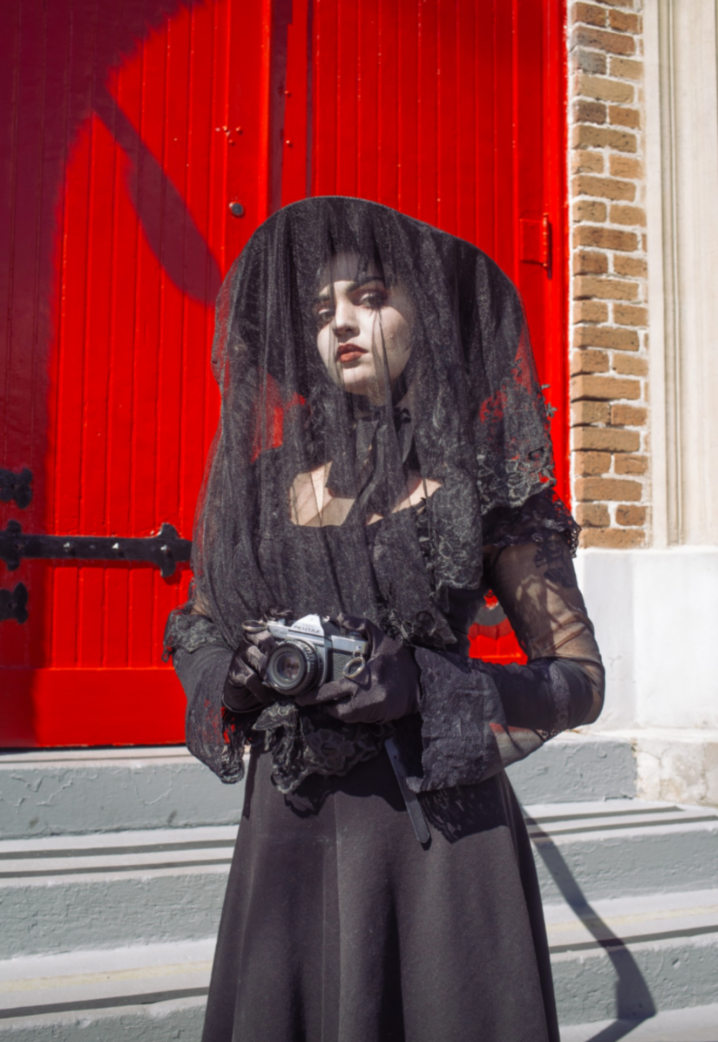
x,y
165,550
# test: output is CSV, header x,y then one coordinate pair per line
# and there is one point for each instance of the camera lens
x,y
292,667
289,667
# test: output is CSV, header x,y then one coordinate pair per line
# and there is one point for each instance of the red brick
x,y
592,62
589,412
629,365
589,111
631,464
605,238
589,13
590,311
603,89
626,69
605,388
628,215
605,439
589,464
588,262
606,336
584,135
628,416
603,187
586,162
592,515
589,362
623,22
611,43
602,489
635,266
630,515
589,210
613,538
625,166
604,288
624,117
625,315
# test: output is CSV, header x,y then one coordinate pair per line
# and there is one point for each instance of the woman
x,y
382,459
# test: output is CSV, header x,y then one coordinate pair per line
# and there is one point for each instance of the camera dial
x,y
293,667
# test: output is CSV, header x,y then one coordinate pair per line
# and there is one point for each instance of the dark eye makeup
x,y
369,292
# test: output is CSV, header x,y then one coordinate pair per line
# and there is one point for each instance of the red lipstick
x,y
349,353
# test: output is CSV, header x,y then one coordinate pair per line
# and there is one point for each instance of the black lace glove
x,y
386,689
244,688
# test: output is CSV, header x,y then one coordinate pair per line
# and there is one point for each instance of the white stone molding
x,y
682,202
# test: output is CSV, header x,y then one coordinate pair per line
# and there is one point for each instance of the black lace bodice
x,y
306,741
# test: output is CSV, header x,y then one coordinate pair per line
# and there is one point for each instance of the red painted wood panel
x,y
453,112
131,129
126,132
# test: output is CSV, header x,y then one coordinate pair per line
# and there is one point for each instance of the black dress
x,y
339,927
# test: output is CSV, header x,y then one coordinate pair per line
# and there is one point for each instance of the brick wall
x,y
608,335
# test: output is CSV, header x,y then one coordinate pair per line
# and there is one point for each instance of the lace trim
x,y
304,742
540,516
189,631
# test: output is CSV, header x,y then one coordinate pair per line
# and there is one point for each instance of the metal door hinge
x,y
16,486
13,603
536,241
165,550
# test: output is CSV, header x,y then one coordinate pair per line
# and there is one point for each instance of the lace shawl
x,y
465,420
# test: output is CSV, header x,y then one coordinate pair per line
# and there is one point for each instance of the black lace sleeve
x,y
478,717
201,660
302,741
540,517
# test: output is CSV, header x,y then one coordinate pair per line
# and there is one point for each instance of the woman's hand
x,y
386,689
244,688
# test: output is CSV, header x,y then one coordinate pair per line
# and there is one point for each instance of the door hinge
x,y
13,604
165,550
16,486
536,241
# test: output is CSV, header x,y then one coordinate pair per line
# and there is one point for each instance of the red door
x,y
131,135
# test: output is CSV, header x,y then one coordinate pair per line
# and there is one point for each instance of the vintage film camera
x,y
311,652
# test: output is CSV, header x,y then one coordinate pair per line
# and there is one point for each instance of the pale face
x,y
364,336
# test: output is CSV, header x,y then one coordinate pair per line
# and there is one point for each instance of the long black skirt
x,y
338,926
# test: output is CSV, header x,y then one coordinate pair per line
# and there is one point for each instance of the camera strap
x,y
416,814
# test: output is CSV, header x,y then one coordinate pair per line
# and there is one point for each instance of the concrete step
x,y
157,885
631,957
621,958
174,1020
109,889
74,791
150,993
697,1024
594,850
577,767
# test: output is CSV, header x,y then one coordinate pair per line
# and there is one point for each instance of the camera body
x,y
311,652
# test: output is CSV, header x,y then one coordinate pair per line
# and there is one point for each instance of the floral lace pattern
x,y
304,742
534,521
466,737
478,717
466,416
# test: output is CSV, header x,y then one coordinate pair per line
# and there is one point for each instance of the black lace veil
x,y
379,400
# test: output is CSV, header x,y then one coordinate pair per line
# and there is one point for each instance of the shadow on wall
x,y
56,65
